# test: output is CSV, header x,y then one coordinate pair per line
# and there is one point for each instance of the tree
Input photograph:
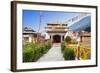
x,y
68,39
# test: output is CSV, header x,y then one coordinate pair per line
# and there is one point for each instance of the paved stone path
x,y
54,54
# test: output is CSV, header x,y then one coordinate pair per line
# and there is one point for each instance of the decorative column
x,y
30,39
61,38
51,38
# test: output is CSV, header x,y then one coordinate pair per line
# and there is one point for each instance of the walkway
x,y
54,54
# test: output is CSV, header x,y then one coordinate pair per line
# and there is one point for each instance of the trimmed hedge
x,y
68,53
32,52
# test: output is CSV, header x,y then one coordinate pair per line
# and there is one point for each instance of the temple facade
x,y
56,32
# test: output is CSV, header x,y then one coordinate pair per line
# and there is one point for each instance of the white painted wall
x,y
5,37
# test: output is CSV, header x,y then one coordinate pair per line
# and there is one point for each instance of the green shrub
x,y
32,52
63,46
68,53
27,55
74,41
68,39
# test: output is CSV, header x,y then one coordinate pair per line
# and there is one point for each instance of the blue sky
x,y
31,18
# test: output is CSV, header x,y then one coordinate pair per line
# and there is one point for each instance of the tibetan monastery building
x,y
56,32
29,35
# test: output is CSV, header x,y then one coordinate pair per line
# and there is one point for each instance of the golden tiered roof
x,y
56,28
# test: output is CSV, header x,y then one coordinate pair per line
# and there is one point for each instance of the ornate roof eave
x,y
56,31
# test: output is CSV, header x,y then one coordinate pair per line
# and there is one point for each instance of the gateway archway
x,y
56,39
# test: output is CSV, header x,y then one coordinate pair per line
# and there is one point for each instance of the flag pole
x,y
40,15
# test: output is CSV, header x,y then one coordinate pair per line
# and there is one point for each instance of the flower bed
x,y
32,52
